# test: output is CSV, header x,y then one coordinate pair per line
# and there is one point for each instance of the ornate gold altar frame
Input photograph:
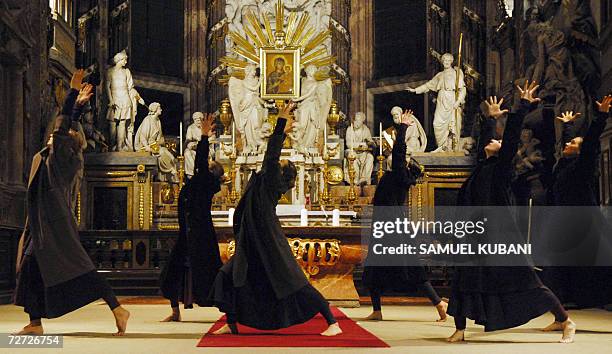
x,y
290,71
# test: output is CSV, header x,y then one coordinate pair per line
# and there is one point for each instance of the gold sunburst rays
x,y
296,32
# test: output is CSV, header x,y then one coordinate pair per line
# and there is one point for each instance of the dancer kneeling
x,y
195,258
55,274
262,286
391,192
500,297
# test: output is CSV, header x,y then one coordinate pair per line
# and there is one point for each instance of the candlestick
x,y
381,138
380,173
181,137
351,172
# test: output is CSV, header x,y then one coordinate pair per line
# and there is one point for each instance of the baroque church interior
x,y
361,74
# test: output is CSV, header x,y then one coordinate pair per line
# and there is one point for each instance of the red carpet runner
x,y
303,335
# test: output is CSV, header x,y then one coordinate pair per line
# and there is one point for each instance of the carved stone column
x,y
361,66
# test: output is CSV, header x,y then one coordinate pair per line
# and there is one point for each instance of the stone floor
x,y
407,329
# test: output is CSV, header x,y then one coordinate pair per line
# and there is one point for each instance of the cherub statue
x,y
312,112
247,107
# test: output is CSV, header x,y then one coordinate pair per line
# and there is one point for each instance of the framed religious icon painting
x,y
280,72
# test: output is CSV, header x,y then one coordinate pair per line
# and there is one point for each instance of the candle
x,y
230,216
381,137
181,136
325,139
336,217
304,217
233,137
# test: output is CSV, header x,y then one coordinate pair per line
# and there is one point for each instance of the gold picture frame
x,y
280,73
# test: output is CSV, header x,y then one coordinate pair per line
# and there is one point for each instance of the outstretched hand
x,y
604,105
77,80
208,124
568,116
285,113
84,95
494,107
528,91
407,117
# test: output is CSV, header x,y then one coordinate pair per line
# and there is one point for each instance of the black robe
x,y
55,273
262,284
195,258
391,192
587,237
497,297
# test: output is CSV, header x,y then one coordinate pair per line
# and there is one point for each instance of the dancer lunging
x,y
500,297
195,259
391,192
262,285
55,274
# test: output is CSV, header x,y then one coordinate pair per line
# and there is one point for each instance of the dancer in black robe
x,y
55,275
195,259
391,192
586,238
500,297
262,286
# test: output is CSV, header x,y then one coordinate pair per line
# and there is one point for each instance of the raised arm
x,y
590,148
512,131
203,148
398,160
489,124
65,151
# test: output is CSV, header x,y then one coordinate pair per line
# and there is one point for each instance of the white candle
x,y
304,217
233,137
324,139
181,136
230,216
336,217
381,138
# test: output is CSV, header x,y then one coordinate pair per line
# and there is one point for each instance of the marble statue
x,y
312,111
150,138
248,108
449,114
192,137
359,141
416,139
122,103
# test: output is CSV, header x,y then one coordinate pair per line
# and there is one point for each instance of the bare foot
x,y
121,317
175,317
442,307
555,326
332,330
227,329
30,330
569,331
374,316
458,336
